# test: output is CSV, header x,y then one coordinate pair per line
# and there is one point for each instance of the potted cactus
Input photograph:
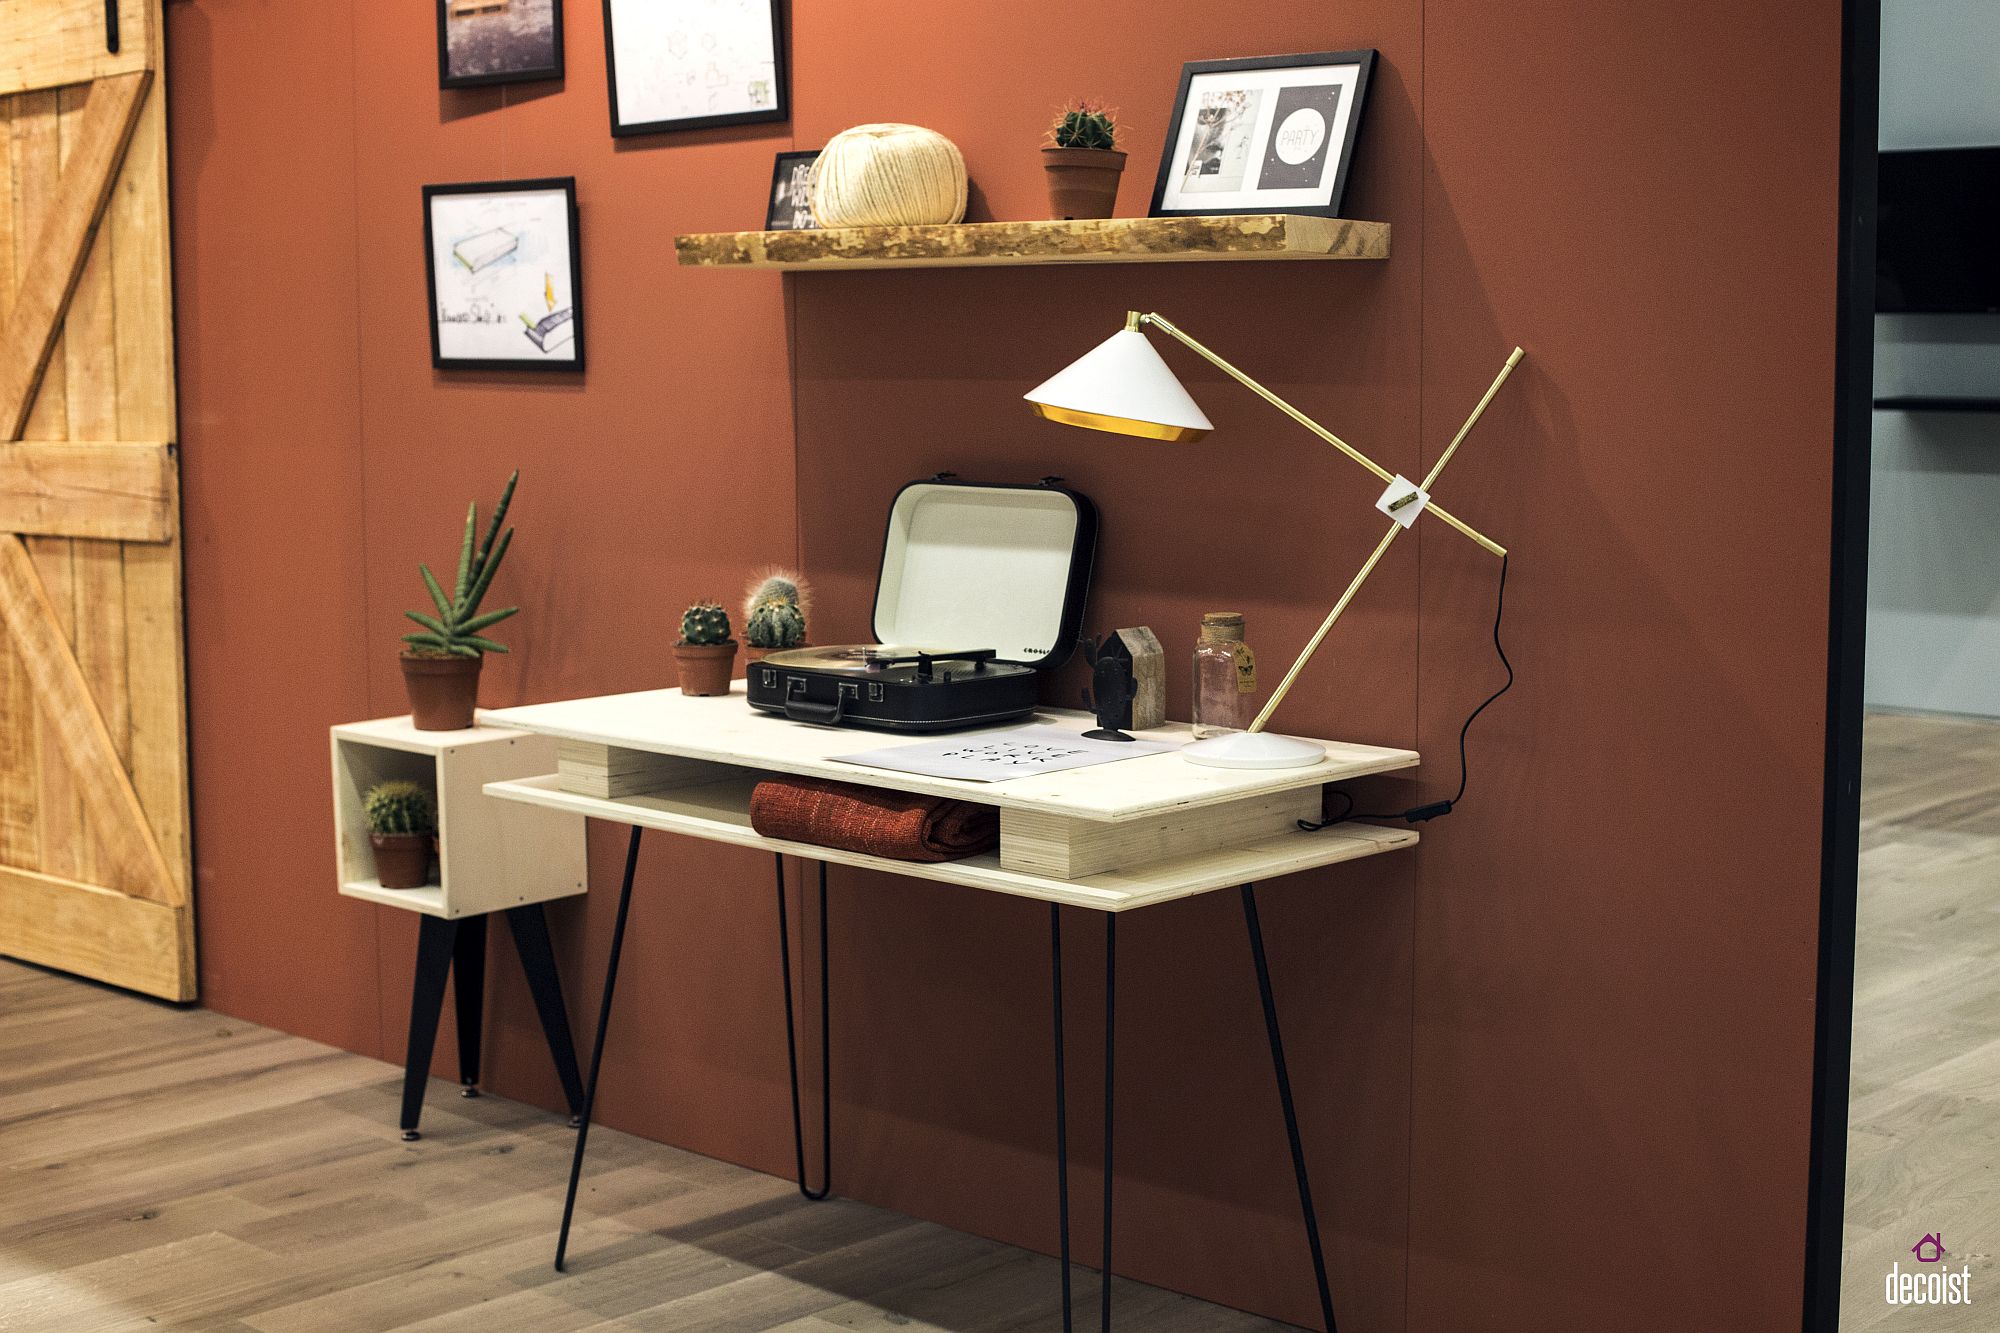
x,y
705,654
441,662
402,820
1083,162
774,615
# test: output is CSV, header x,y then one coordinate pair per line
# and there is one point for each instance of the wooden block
x,y
460,8
589,769
1035,843
1149,677
1096,241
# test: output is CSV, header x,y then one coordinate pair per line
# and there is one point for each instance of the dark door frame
x,y
1854,361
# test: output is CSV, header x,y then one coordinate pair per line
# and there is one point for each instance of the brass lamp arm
x,y
1134,319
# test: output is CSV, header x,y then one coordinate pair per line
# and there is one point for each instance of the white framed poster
x,y
503,268
692,64
1272,134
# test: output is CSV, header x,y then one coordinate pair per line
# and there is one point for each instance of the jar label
x,y
1246,667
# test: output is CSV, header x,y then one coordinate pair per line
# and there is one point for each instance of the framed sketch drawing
x,y
1272,134
691,64
502,265
498,41
790,205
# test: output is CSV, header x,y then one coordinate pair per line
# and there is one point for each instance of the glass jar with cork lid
x,y
1225,675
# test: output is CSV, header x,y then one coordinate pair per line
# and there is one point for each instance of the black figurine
x,y
1112,688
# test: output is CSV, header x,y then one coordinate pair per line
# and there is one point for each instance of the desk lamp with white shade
x,y
1123,386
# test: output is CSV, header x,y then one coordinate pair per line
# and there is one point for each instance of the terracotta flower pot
x,y
402,860
443,691
1083,182
705,667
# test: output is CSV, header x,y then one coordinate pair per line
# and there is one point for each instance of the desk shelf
x,y
720,812
1179,240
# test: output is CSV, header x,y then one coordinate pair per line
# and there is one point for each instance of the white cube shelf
x,y
492,855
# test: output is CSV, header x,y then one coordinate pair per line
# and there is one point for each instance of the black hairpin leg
x,y
597,1046
468,988
1110,1032
1062,1110
530,927
1285,1097
792,1044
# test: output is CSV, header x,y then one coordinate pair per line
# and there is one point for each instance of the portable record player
x,y
981,591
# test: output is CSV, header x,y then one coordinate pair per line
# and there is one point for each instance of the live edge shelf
x,y
1287,236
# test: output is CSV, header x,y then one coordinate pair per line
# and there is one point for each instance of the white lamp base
x,y
1253,749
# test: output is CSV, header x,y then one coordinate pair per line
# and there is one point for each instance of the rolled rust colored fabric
x,y
895,824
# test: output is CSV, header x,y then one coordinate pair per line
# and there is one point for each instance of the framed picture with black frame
x,y
790,205
1268,134
504,270
483,42
694,64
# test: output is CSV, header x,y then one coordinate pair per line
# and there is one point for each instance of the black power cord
x,y
1418,814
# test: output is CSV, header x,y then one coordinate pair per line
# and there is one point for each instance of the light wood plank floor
x,y
1923,1136
167,1168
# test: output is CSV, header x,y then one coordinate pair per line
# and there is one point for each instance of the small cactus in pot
x,y
774,615
705,653
402,821
1083,161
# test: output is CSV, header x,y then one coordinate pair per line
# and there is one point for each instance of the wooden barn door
x,y
94,870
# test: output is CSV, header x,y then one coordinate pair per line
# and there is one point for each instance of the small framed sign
x,y
1272,134
498,41
693,64
504,270
791,193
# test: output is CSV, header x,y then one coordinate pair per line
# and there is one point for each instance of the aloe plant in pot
x,y
441,661
1083,161
402,820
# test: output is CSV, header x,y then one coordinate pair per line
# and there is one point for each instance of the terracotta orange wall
x,y
1554,1065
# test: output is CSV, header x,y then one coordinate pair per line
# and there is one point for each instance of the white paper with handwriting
x,y
987,756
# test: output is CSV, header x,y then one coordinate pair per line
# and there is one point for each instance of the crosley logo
x,y
1928,1285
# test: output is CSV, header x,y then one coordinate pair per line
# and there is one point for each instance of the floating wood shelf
x,y
982,244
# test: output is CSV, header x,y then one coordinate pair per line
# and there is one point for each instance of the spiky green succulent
x,y
774,616
704,622
398,806
456,628
1085,124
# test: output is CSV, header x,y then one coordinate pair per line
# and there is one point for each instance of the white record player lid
x,y
968,566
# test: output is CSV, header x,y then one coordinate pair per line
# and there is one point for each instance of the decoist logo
x,y
1927,1285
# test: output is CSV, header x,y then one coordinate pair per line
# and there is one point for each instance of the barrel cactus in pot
x,y
1083,161
402,820
705,654
441,661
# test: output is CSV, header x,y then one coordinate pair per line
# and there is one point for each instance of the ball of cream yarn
x,y
888,176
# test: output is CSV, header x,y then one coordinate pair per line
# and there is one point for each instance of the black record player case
x,y
981,589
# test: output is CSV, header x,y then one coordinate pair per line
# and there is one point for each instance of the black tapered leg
x,y
1062,1110
435,937
530,928
468,988
1285,1097
597,1045
1110,1065
792,1046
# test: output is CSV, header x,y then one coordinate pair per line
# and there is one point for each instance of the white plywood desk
x,y
1109,838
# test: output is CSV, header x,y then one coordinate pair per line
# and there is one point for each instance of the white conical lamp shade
x,y
1121,385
